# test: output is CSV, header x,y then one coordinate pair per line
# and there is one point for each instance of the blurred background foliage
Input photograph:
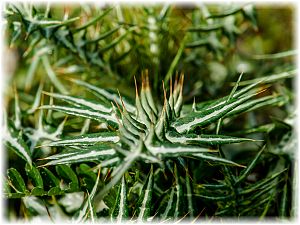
x,y
107,46
130,39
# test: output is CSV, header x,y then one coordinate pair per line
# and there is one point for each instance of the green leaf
x,y
52,180
116,41
217,159
68,174
176,59
120,210
94,20
284,202
52,76
205,28
36,191
229,12
16,181
275,55
271,78
262,184
214,198
105,35
246,172
34,174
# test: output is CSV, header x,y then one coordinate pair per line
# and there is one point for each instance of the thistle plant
x,y
89,153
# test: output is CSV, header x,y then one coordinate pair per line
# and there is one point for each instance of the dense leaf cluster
x,y
156,156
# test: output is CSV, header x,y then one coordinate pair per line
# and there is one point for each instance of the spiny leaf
x,y
179,207
148,94
272,78
174,150
143,208
18,145
147,100
251,88
37,99
203,118
120,210
258,185
170,206
120,170
108,95
189,195
94,153
86,112
86,139
257,103
204,139
81,102
141,113
84,209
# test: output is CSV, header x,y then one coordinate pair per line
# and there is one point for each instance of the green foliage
x,y
75,130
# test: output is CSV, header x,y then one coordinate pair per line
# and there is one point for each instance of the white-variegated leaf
x,y
120,210
145,200
107,94
81,102
174,150
204,139
83,112
84,209
206,117
94,153
18,145
86,139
